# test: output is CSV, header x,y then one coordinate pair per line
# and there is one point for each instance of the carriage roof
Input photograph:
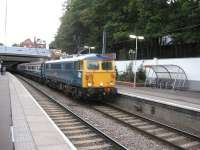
x,y
32,63
81,57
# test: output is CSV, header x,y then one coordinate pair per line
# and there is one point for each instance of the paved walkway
x,y
32,128
5,115
183,99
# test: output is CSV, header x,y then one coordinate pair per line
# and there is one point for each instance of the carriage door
x,y
42,70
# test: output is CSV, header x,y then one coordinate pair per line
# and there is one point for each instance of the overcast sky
x,y
29,18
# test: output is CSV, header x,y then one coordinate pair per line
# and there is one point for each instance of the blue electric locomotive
x,y
82,76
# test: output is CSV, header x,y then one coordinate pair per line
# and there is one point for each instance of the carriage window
x,y
38,67
78,65
69,66
107,65
56,66
48,66
93,65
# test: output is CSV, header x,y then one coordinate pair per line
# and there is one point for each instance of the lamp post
x,y
89,48
136,50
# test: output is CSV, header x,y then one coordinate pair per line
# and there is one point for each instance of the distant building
x,y
38,43
27,43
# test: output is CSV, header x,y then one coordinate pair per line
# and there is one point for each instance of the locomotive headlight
x,y
101,84
89,84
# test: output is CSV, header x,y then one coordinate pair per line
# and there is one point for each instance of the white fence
x,y
191,66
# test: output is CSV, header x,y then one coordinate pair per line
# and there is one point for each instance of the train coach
x,y
81,76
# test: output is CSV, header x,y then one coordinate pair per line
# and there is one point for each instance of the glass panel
x,y
69,66
48,66
56,66
93,65
78,65
107,65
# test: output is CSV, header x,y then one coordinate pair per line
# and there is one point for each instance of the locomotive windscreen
x,y
93,65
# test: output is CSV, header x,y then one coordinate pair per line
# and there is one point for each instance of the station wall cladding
x,y
191,66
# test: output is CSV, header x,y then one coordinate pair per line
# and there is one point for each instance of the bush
x,y
141,75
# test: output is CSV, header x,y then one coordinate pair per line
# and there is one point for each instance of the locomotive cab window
x,y
92,65
106,65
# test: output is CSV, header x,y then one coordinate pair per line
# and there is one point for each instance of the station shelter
x,y
166,76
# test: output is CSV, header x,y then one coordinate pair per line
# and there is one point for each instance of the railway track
x,y
172,136
83,135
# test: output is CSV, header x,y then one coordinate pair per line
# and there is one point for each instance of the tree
x,y
84,22
15,45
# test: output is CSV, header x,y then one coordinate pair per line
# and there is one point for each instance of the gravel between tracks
x,y
132,139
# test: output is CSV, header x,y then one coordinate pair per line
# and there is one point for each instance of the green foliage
x,y
84,21
128,75
141,75
15,45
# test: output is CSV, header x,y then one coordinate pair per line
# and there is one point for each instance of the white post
x,y
136,49
135,76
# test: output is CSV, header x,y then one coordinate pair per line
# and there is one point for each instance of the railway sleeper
x,y
68,124
77,131
83,136
137,124
104,146
126,118
120,116
155,131
166,134
54,110
61,117
191,145
73,128
175,139
147,127
66,120
52,107
87,141
81,146
183,141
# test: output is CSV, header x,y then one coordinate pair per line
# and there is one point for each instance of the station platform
x,y
182,99
24,124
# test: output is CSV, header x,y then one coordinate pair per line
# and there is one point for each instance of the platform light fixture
x,y
89,48
136,49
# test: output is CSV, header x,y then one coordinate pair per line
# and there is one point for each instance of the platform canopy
x,y
166,76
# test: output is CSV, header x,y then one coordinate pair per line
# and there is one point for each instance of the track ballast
x,y
172,136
